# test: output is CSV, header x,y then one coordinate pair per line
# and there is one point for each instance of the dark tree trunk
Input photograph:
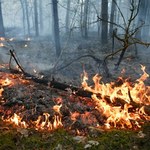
x,y
104,15
2,30
56,28
36,19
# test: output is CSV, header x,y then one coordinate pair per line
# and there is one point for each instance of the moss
x,y
7,140
109,140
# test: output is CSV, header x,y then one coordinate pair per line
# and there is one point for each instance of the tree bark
x,y
56,28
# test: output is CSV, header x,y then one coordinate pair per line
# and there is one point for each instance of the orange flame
x,y
47,124
128,93
17,120
6,82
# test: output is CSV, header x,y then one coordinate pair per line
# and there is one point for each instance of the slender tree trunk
x,y
81,19
56,27
112,15
41,14
68,16
27,17
85,21
36,19
141,16
104,15
23,16
2,30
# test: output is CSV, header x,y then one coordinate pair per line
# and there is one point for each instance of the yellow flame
x,y
128,93
17,120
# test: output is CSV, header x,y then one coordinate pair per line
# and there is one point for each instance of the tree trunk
x,y
27,17
68,16
142,16
2,30
23,16
41,14
104,15
36,19
112,15
81,19
56,28
85,20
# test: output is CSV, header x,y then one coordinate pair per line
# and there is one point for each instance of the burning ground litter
x,y
122,104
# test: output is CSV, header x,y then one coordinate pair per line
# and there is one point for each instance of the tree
x,y
112,15
143,9
36,18
23,16
2,30
85,19
56,27
68,16
41,14
27,17
104,15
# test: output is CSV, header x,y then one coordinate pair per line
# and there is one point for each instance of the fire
x,y
6,82
126,102
43,122
16,120
1,91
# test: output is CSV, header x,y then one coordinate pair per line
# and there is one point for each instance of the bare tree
x,y
129,31
56,27
2,30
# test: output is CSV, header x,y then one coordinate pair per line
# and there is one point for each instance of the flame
x,y
16,120
1,91
56,108
6,82
47,124
123,99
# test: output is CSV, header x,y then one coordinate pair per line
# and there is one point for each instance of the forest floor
x,y
38,58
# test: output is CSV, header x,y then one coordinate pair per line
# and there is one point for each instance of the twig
x,y
13,55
